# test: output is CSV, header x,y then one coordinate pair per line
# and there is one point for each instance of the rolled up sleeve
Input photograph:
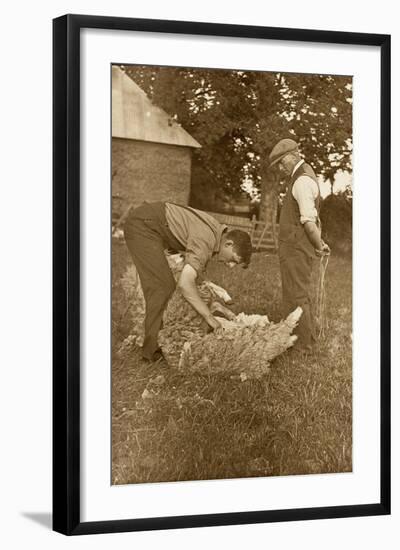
x,y
199,251
305,191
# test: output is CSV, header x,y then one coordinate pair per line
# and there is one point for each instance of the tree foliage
x,y
337,221
238,116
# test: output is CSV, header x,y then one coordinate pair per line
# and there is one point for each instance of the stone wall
x,y
148,171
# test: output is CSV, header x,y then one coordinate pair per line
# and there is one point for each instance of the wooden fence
x,y
263,235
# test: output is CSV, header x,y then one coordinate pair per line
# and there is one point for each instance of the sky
x,y
341,181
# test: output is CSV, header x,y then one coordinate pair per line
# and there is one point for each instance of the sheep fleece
x,y
246,344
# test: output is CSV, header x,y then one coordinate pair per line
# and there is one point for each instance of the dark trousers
x,y
147,236
296,270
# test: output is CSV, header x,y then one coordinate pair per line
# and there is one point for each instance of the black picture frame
x,y
66,273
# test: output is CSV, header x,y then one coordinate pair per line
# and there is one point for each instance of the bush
x,y
337,222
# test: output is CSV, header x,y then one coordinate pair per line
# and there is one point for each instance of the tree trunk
x,y
268,200
269,205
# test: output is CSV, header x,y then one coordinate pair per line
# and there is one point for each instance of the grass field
x,y
167,426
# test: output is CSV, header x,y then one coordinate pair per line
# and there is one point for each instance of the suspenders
x,y
195,213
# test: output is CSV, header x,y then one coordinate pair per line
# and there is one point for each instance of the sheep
x,y
244,345
211,293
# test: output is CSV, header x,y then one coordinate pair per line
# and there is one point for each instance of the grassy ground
x,y
296,420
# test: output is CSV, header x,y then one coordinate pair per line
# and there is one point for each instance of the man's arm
x,y
314,236
305,191
187,285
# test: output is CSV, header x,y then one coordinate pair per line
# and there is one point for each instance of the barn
x,y
151,152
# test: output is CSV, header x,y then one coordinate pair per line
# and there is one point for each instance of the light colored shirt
x,y
305,190
198,232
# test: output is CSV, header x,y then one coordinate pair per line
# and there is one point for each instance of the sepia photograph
x,y
231,328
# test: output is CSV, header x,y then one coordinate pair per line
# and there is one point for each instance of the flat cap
x,y
282,148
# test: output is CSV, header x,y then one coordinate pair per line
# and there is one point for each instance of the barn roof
x,y
135,117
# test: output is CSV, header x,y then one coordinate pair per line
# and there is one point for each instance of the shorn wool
x,y
244,345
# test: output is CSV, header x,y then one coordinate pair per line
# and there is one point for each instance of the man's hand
x,y
313,233
187,285
323,251
222,311
213,323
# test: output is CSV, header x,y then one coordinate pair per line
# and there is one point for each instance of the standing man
x,y
299,235
154,227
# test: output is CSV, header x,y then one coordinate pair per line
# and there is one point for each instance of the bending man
x,y
154,227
